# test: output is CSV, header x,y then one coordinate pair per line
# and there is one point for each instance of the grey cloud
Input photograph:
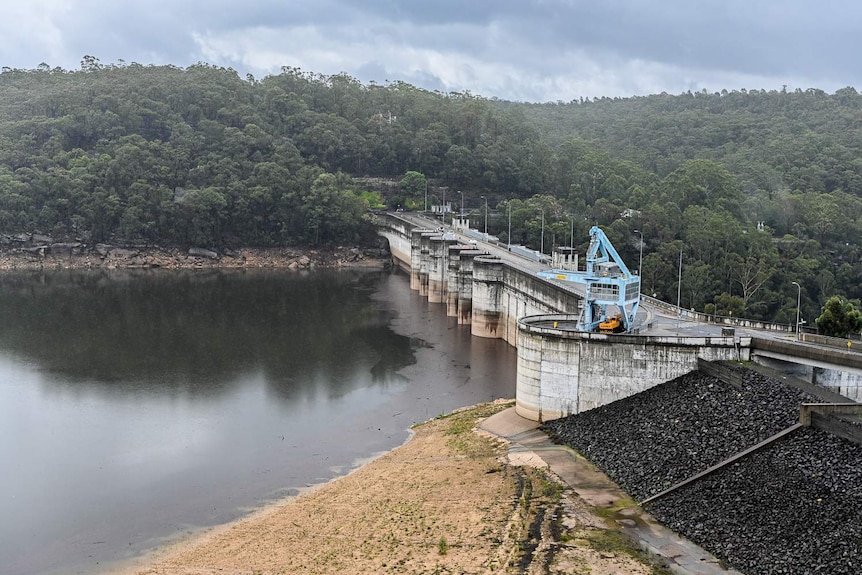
x,y
546,42
427,81
763,38
744,35
760,38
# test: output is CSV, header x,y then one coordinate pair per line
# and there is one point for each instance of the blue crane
x,y
607,281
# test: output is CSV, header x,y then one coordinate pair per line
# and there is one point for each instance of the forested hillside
x,y
755,189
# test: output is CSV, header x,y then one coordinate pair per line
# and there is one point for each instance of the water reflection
x,y
194,332
136,405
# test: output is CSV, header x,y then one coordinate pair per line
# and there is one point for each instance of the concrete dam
x,y
560,371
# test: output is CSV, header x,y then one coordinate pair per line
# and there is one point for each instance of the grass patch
x,y
611,512
617,542
442,546
460,430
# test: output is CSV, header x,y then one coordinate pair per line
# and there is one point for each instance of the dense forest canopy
x,y
755,189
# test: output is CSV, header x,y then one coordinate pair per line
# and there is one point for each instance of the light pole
x,y
679,290
572,237
486,217
426,195
542,250
641,258
798,300
509,212
461,213
443,207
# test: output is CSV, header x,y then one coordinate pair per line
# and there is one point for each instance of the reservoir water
x,y
139,406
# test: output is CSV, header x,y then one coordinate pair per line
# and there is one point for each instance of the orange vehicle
x,y
613,324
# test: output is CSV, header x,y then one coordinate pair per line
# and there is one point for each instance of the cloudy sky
x,y
530,50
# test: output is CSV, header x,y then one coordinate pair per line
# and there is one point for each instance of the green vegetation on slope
x,y
755,189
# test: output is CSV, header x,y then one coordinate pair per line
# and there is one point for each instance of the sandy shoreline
x,y
184,542
446,501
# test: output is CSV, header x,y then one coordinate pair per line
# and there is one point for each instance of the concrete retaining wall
x,y
564,372
843,383
837,426
400,248
837,369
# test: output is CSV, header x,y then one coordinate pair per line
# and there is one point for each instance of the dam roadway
x,y
651,319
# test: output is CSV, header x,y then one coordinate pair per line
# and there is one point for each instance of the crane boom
x,y
607,281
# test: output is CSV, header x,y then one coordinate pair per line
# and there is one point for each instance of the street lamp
x,y
462,203
426,195
542,250
486,217
679,290
509,212
798,300
641,259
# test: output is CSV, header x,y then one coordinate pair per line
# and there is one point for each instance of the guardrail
x,y
728,375
842,342
716,319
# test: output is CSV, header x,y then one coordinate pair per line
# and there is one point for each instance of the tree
x,y
413,184
839,318
372,199
750,273
202,211
727,305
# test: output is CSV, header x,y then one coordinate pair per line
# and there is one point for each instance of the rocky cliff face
x,y
41,252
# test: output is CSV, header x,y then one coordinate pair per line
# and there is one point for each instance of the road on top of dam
x,y
649,321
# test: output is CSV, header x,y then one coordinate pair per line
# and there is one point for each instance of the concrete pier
x,y
414,257
453,279
425,240
487,296
438,268
465,285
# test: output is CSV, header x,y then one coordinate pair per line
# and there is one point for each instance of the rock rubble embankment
x,y
794,507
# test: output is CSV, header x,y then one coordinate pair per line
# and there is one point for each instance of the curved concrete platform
x,y
562,371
